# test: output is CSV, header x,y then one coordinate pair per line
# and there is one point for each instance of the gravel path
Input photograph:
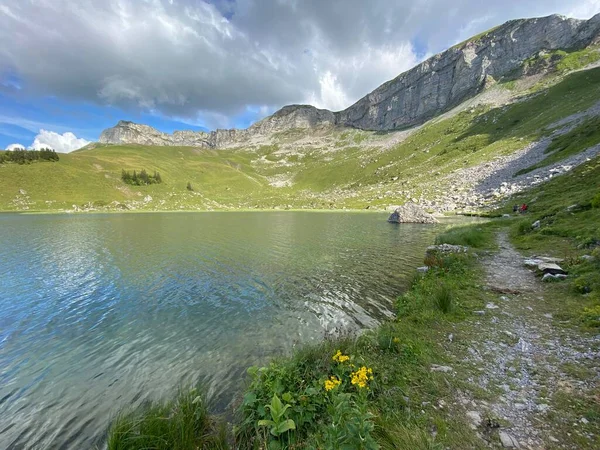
x,y
519,356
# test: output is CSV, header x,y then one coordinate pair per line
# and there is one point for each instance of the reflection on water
x,y
98,312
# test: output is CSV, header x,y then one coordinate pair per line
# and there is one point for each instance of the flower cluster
x,y
339,357
361,377
332,383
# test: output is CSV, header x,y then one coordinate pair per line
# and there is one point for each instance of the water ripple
x,y
100,312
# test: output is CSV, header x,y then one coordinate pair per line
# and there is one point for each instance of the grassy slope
x,y
355,170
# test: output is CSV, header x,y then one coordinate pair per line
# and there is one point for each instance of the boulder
x,y
411,213
551,268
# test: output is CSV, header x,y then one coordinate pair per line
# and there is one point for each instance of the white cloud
x,y
332,95
207,61
62,143
585,9
12,147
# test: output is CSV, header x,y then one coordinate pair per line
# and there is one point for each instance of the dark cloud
x,y
214,60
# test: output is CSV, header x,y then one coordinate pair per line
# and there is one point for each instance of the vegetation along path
x,y
529,377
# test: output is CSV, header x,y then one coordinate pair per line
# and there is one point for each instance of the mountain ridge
x,y
413,97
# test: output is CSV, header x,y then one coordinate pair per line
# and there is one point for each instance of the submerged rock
x,y
411,213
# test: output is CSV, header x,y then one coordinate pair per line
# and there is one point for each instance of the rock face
x,y
287,118
432,87
449,78
411,213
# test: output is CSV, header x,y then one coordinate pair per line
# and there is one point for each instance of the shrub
x,y
189,187
591,316
318,397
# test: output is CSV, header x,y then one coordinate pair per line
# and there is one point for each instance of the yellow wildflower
x,y
361,377
339,357
332,383
396,340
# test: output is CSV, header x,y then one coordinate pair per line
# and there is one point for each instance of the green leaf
x,y
266,423
276,404
287,397
249,399
286,426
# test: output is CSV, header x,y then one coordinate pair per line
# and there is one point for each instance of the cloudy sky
x,y
70,69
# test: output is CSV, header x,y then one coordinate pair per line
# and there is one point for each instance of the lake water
x,y
99,312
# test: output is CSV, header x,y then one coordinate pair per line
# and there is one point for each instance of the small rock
x,y
479,313
586,257
22,192
548,277
531,263
508,441
491,306
542,407
423,269
553,439
444,369
504,298
474,418
584,421
536,224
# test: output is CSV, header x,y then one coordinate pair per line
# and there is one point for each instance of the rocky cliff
x,y
430,88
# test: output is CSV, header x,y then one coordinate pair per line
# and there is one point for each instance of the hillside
x,y
539,122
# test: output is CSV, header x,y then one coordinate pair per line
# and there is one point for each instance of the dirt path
x,y
524,368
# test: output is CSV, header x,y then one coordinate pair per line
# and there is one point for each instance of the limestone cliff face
x,y
430,88
449,78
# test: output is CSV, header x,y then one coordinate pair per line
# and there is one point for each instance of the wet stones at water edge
x,y
411,213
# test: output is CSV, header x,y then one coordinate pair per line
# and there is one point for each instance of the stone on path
x,y
508,441
550,277
551,268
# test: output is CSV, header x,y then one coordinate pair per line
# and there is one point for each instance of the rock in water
x,y
411,213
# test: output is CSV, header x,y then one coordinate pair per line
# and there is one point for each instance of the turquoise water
x,y
100,312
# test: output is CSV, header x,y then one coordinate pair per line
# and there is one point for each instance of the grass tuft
x,y
183,424
444,298
469,236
